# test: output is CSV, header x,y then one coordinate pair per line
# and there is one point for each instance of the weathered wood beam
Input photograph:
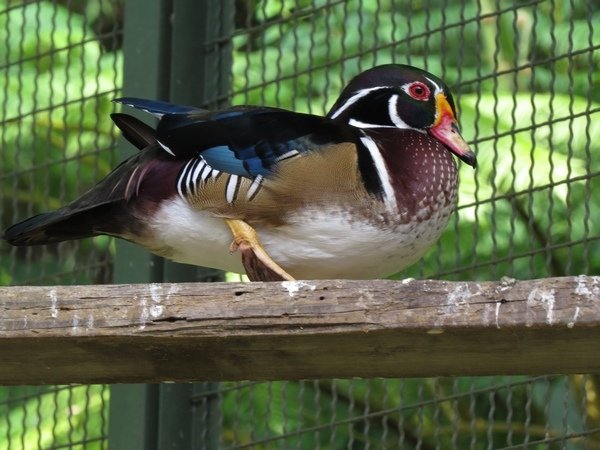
x,y
294,330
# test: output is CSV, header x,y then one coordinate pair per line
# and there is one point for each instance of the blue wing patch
x,y
247,162
223,159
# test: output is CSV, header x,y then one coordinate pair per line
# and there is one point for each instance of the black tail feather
x,y
134,130
109,207
62,225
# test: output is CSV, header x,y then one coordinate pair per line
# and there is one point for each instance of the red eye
x,y
418,91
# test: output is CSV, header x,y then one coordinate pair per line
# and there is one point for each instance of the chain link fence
x,y
53,417
60,66
525,76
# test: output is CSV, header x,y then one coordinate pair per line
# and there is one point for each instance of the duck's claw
x,y
257,262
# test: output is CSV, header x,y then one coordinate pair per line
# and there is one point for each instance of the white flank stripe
x,y
231,190
254,187
359,124
205,172
393,111
165,148
359,94
388,190
201,165
182,180
188,179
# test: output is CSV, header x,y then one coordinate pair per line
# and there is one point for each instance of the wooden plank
x,y
294,330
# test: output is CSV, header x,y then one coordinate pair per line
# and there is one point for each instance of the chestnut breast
x,y
421,170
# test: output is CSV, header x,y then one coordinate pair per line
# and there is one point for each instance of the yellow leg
x,y
257,262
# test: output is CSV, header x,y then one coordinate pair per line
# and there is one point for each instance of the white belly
x,y
313,245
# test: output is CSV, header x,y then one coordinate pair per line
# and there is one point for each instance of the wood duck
x,y
360,193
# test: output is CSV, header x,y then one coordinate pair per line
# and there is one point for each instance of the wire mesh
x,y
524,76
447,413
60,65
53,417
523,73
61,68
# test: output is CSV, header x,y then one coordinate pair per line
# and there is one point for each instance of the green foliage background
x,y
524,74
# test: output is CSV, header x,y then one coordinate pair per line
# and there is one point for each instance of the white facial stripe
x,y
438,89
388,190
393,112
359,124
357,96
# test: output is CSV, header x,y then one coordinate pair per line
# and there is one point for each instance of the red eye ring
x,y
418,91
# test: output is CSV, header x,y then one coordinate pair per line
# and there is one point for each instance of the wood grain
x,y
295,330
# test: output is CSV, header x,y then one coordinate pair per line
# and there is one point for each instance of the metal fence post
x,y
177,50
133,408
200,64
